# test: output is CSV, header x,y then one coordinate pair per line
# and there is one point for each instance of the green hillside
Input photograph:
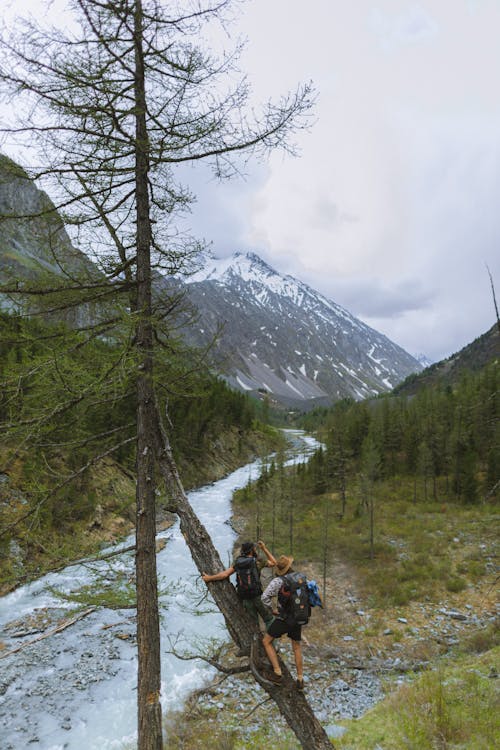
x,y
472,358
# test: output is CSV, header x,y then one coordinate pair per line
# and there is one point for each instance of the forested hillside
x,y
472,358
390,469
67,453
445,439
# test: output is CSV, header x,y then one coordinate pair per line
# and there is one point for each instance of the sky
x,y
391,208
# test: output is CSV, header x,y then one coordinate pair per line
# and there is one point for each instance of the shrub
x,y
482,640
455,584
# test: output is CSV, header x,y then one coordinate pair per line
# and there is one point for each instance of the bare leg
x,y
267,642
297,652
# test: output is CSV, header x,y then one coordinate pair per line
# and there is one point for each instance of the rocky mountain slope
x,y
34,245
283,338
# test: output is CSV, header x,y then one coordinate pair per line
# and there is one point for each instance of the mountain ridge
x,y
472,358
282,338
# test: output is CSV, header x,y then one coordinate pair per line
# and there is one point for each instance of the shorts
x,y
278,627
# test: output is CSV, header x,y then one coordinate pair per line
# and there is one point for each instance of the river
x,y
76,689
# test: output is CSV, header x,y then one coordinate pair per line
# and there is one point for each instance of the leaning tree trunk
x,y
292,703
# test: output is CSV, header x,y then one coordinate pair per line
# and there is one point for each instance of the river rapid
x,y
76,689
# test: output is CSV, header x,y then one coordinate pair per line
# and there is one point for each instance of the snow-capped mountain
x,y
281,337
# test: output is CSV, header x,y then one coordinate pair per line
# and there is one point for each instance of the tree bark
x,y
148,624
292,703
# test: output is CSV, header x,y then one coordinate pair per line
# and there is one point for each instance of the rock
x,y
338,685
17,554
334,731
453,614
457,615
97,521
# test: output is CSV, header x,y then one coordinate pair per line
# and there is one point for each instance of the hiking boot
x,y
299,684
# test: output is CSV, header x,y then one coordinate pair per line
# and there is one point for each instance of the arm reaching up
x,y
270,557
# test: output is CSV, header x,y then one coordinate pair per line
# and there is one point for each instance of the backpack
x,y
248,584
293,599
315,599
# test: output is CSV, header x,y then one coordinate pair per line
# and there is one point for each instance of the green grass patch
x,y
211,728
422,551
455,707
118,593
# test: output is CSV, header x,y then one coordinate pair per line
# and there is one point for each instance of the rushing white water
x,y
76,689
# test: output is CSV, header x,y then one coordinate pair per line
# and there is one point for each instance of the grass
x,y
115,595
453,707
200,730
422,551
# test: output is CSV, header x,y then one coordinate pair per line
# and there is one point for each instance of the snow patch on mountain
x,y
276,329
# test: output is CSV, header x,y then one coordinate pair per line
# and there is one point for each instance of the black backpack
x,y
293,599
248,583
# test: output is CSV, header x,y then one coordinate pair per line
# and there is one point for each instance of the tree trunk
x,y
292,703
273,530
372,519
325,547
148,625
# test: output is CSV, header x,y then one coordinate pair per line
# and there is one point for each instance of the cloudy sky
x,y
391,210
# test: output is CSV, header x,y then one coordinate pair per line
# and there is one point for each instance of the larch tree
x,y
109,107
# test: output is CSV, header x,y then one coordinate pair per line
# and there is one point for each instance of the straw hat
x,y
283,565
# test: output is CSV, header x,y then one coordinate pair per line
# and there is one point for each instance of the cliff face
x,y
35,246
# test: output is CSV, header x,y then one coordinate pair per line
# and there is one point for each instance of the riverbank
x,y
77,684
68,652
112,487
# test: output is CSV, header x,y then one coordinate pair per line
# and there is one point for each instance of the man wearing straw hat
x,y
279,626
